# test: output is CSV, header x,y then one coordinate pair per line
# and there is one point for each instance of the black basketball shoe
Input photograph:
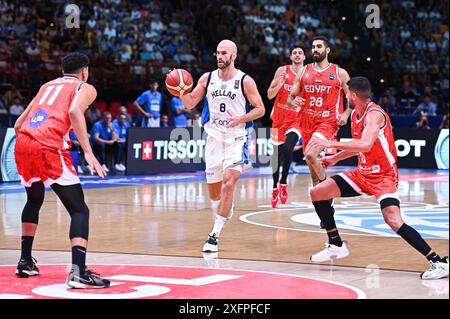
x,y
27,268
88,279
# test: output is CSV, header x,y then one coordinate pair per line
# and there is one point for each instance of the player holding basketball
x,y
376,175
232,103
319,90
43,159
283,139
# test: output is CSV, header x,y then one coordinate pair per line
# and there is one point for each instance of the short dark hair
x,y
361,85
322,38
74,62
153,81
297,46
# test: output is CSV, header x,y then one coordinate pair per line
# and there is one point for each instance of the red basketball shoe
x,y
283,193
275,198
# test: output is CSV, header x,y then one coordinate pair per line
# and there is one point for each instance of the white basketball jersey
x,y
225,100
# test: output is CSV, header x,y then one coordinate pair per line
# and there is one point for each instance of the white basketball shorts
x,y
220,155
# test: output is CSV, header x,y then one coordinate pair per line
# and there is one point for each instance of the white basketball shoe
x,y
437,270
331,252
211,245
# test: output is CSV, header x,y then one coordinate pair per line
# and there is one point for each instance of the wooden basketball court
x,y
165,221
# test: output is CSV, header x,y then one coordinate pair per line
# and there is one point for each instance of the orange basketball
x,y
179,82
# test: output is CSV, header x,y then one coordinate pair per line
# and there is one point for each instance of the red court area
x,y
143,282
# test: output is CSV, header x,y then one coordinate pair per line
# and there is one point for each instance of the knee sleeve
x,y
73,199
30,213
291,140
389,202
35,198
79,225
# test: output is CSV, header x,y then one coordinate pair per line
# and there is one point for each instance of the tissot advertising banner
x,y
153,150
415,148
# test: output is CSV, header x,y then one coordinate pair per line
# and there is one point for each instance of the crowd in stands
x,y
131,42
413,43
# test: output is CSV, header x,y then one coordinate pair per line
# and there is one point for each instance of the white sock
x,y
218,225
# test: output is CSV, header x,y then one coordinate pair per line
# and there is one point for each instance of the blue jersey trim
x,y
205,111
248,106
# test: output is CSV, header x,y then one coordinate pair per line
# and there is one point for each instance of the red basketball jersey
x,y
322,91
280,105
48,121
382,157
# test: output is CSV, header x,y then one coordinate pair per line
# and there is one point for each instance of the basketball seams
x,y
180,76
178,83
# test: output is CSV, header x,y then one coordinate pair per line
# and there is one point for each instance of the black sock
x,y
79,258
414,239
434,257
334,238
27,245
326,213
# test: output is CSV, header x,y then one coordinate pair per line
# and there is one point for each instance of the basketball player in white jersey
x,y
232,103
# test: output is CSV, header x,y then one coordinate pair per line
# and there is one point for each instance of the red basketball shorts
x,y
282,122
379,185
36,162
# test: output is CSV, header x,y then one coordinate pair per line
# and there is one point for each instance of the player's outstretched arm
x,y
84,97
374,122
191,99
255,100
276,84
332,160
